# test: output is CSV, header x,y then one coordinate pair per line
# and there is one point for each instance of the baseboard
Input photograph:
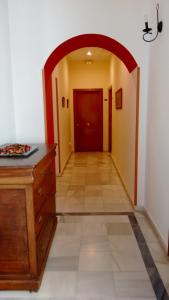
x,y
142,210
122,182
139,209
60,174
154,227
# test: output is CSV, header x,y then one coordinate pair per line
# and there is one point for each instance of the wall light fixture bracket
x,y
148,30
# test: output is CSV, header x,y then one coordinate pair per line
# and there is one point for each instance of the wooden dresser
x,y
27,217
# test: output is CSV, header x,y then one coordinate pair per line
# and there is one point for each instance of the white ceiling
x,y
97,54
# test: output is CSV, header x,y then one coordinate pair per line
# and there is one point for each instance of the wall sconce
x,y
148,30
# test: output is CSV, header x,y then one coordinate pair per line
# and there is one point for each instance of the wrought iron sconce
x,y
148,30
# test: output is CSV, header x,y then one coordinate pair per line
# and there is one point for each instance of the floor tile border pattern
x,y
155,278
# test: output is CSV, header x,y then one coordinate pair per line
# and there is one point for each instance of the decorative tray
x,y
17,150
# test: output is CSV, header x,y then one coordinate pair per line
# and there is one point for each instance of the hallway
x,y
99,251
90,183
103,248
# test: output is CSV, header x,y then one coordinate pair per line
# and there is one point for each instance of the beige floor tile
x,y
128,261
94,244
96,284
94,229
163,269
62,263
117,207
93,209
70,229
93,219
61,283
119,229
116,219
65,246
158,253
133,285
73,209
93,188
97,261
93,204
126,243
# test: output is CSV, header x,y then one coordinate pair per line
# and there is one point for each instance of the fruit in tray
x,y
14,149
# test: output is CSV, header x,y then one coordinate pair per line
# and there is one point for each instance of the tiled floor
x,y
90,184
100,256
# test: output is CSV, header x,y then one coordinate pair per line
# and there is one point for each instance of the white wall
x,y
83,76
61,72
38,27
157,175
28,43
7,123
124,122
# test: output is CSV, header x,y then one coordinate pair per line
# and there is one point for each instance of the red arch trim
x,y
77,42
90,40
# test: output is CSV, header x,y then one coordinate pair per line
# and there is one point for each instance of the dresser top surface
x,y
27,162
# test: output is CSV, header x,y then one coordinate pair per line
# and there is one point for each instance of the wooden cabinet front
x,y
13,232
27,218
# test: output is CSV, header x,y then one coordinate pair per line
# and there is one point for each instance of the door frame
x,y
110,119
74,43
100,91
136,137
58,123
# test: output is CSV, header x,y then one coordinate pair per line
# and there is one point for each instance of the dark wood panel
x,y
13,231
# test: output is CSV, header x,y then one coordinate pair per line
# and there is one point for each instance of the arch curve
x,y
74,43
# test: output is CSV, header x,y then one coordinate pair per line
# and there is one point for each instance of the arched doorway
x,y
77,42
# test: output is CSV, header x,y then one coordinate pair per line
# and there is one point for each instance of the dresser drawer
x,y
46,212
44,240
43,171
46,188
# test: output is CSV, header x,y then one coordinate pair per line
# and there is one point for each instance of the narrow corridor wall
x,y
61,72
84,76
124,123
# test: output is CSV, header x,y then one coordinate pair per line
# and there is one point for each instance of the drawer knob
x,y
40,191
40,219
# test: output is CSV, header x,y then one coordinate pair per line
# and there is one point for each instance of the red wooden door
x,y
110,120
88,120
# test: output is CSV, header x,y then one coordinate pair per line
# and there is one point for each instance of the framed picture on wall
x,y
119,99
63,101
